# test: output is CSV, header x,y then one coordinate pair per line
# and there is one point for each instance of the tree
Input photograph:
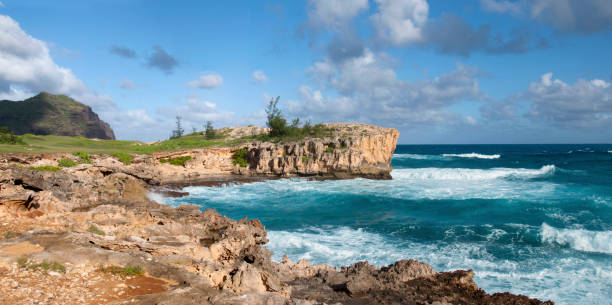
x,y
210,131
179,131
276,121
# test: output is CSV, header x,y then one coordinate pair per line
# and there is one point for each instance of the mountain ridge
x,y
50,114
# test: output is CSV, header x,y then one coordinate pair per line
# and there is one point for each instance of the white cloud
x,y
370,91
25,62
207,81
503,6
259,76
196,112
334,13
400,22
586,103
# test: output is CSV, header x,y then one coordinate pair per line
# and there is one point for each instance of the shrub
x,y
95,230
83,156
8,137
45,168
304,159
125,158
123,271
329,149
238,157
64,162
178,161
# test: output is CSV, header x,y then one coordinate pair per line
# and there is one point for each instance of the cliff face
x,y
353,150
46,114
356,150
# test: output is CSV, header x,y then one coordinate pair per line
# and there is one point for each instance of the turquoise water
x,y
530,219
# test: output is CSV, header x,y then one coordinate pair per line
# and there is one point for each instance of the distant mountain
x,y
46,114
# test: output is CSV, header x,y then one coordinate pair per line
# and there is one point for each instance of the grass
x,y
238,157
64,162
82,147
46,168
83,157
45,266
95,230
178,161
125,158
122,271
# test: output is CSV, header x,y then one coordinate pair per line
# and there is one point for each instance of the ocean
x,y
529,219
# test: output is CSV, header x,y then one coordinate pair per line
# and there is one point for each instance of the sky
x,y
441,72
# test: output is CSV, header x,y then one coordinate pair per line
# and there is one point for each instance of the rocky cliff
x,y
46,114
90,234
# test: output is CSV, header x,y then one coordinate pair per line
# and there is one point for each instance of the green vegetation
x,y
64,162
122,271
304,159
7,234
329,149
178,161
95,230
125,158
280,131
179,131
238,157
8,137
83,156
46,168
210,132
44,266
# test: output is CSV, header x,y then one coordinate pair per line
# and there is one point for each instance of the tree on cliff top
x,y
276,121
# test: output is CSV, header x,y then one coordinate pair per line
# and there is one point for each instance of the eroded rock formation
x,y
99,214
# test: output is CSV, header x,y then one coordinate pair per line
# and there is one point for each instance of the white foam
x,y
565,280
155,197
419,157
470,174
473,156
578,239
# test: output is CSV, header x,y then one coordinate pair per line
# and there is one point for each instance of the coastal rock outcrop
x,y
81,223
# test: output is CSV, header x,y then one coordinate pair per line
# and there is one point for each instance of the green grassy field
x,y
51,144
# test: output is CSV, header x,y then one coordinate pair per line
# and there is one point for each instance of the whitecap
x,y
473,156
578,239
418,157
471,174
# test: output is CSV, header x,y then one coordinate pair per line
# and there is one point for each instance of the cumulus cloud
x,y
334,13
259,76
400,22
196,112
207,81
450,34
160,59
586,103
122,51
369,90
572,16
26,65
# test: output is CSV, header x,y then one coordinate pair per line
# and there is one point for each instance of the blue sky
x,y
474,71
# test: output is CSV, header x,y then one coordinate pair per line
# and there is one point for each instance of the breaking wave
x,y
471,174
473,156
578,239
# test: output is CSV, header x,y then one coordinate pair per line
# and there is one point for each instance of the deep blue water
x,y
530,219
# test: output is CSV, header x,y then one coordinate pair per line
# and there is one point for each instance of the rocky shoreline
x,y
92,234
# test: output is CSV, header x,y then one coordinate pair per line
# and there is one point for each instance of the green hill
x,y
48,114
